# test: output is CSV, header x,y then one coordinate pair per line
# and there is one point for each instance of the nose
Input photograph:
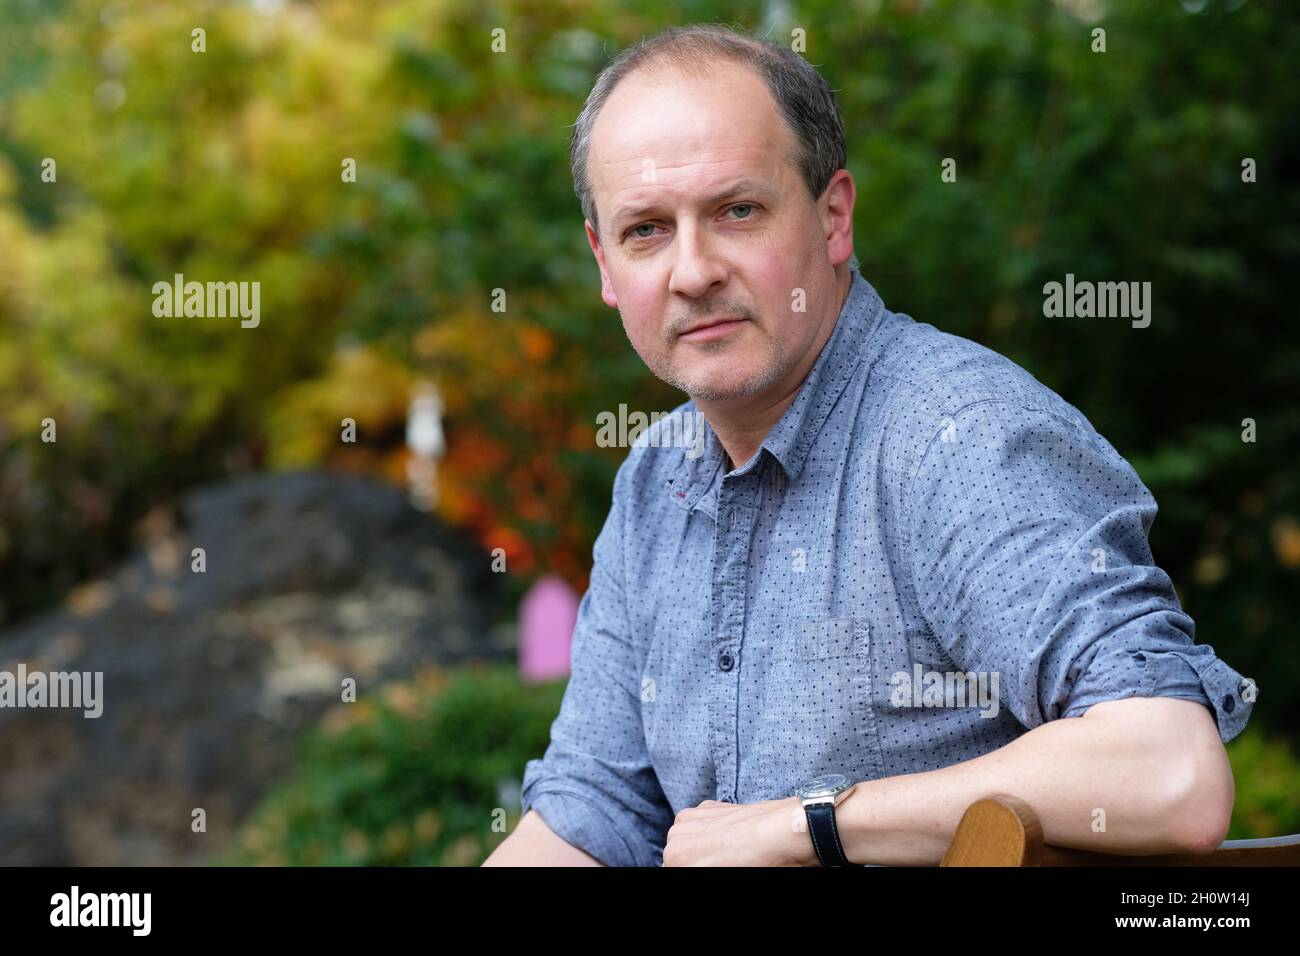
x,y
696,268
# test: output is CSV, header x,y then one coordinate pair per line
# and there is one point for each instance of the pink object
x,y
547,616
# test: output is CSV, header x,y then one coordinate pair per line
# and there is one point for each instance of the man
x,y
899,558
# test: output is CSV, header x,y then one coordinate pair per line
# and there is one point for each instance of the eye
x,y
747,207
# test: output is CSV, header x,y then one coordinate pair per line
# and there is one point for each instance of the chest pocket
x,y
816,714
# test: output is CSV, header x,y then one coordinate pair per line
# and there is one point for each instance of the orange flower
x,y
1286,541
537,342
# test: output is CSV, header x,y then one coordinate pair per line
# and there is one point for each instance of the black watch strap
x,y
825,835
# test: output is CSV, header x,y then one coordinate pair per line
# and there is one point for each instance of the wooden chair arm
x,y
1004,831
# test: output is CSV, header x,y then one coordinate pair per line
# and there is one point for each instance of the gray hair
x,y
802,98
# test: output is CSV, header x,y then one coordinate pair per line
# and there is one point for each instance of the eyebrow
x,y
752,186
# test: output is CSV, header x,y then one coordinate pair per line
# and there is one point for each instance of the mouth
x,y
713,329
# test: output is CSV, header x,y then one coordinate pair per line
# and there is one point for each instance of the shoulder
x,y
935,380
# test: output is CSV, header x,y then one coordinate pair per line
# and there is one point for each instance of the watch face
x,y
826,785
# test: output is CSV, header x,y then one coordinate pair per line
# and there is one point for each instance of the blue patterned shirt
x,y
930,554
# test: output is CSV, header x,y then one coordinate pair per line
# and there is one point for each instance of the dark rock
x,y
208,679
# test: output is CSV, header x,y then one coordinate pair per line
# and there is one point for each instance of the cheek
x,y
643,312
777,294
794,278
644,328
797,253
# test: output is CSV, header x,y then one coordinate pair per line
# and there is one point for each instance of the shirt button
x,y
725,661
1229,703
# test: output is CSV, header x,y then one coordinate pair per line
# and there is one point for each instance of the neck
x,y
741,424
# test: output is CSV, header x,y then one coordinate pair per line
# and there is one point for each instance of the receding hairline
x,y
670,67
804,102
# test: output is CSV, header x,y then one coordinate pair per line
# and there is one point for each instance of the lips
x,y
712,322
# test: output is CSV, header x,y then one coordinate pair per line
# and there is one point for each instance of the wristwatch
x,y
820,796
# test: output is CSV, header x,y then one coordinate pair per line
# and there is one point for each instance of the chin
x,y
718,388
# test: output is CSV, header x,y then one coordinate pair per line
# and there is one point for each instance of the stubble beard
x,y
775,365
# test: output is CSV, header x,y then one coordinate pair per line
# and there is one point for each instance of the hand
x,y
767,833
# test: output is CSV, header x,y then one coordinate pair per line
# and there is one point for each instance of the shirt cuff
x,y
1199,676
580,822
1207,679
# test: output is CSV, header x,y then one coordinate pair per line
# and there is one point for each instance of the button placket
x,y
731,567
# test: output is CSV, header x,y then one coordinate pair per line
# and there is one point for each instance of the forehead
x,y
662,135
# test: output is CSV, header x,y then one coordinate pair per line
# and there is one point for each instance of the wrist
x,y
850,821
823,799
795,842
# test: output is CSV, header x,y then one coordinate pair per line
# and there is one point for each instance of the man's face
x,y
677,247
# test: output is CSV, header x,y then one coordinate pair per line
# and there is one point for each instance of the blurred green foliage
x,y
420,777
1267,776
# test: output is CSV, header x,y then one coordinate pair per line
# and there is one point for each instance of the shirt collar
x,y
792,437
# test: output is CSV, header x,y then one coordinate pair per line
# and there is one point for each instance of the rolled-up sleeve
x,y
595,786
1030,560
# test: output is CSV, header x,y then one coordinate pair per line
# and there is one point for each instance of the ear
x,y
606,287
835,209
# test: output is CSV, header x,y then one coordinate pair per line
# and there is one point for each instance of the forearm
x,y
534,844
1137,774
